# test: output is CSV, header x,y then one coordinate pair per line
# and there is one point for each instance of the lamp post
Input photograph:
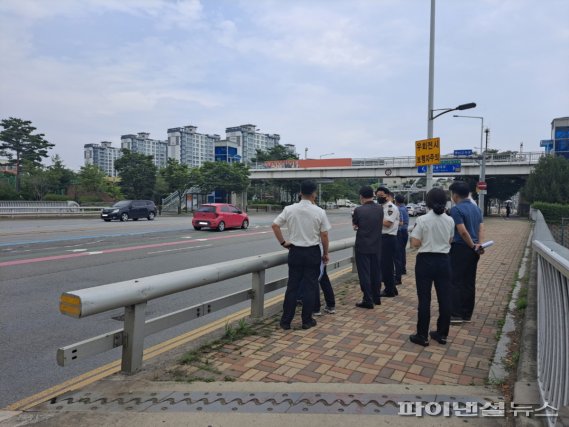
x,y
430,110
482,161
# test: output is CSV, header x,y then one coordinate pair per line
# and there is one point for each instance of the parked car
x,y
421,208
411,210
130,209
219,216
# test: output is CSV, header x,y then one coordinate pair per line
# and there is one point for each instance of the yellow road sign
x,y
428,152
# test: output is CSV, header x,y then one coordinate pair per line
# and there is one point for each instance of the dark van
x,y
133,209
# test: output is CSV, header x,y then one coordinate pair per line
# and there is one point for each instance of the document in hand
x,y
322,265
487,244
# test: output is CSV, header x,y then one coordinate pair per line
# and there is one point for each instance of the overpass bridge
x,y
519,164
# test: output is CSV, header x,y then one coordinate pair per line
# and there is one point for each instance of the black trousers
x,y
328,292
369,274
429,268
388,253
303,270
401,258
464,262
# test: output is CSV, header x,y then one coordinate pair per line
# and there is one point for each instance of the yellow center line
x,y
114,367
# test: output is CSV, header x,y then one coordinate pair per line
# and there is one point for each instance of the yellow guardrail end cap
x,y
70,305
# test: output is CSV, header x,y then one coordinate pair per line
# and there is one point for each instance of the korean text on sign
x,y
428,152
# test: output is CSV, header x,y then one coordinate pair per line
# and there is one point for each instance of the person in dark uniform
x,y
388,241
402,238
367,220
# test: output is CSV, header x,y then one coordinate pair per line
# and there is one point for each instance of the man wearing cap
x,y
308,227
388,240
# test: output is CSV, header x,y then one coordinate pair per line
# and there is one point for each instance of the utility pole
x,y
482,194
429,177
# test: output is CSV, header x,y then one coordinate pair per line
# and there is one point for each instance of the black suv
x,y
126,209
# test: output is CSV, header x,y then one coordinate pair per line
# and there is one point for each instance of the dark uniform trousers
x,y
388,252
328,292
429,268
464,262
303,270
401,258
369,273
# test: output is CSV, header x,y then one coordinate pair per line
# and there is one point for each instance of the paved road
x,y
40,259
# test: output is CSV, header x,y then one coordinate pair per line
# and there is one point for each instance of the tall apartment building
x,y
141,143
102,155
190,147
248,141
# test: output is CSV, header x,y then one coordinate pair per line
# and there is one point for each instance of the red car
x,y
219,216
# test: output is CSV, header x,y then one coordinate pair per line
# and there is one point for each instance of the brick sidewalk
x,y
372,346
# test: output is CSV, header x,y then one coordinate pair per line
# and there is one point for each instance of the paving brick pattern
x,y
371,346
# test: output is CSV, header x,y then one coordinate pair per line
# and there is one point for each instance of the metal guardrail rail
x,y
552,317
20,211
134,294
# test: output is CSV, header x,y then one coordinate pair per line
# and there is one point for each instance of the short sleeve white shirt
x,y
390,213
304,222
434,231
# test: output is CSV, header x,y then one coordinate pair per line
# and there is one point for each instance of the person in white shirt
x,y
388,240
308,227
433,234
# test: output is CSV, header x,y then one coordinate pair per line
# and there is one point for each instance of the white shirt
x,y
305,222
390,213
434,231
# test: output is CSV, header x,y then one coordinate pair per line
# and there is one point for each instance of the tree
x,y
91,178
59,177
278,152
19,144
549,181
179,177
137,173
230,177
35,182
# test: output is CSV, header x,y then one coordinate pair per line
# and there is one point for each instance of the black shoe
x,y
417,339
456,320
441,339
285,326
397,281
299,302
386,295
404,272
309,325
364,305
377,302
467,319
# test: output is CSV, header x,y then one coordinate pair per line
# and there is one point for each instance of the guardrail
x,y
13,211
134,294
552,318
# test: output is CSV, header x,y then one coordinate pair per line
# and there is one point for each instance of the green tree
x,y
35,182
19,144
278,152
549,181
179,177
91,178
138,175
59,177
230,177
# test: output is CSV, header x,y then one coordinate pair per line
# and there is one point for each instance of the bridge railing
x,y
133,295
552,318
528,158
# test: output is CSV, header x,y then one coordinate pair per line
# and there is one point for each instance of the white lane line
x,y
83,244
186,237
95,253
178,249
201,240
76,250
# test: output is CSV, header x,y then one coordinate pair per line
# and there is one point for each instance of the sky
x,y
346,77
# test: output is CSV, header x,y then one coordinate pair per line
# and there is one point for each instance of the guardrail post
x,y
258,300
354,267
133,338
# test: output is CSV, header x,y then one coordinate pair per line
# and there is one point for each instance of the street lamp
x,y
305,153
430,110
483,159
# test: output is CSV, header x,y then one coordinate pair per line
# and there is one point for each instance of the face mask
x,y
381,200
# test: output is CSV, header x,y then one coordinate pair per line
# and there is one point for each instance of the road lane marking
x,y
112,368
179,249
76,250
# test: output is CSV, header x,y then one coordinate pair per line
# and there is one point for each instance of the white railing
x,y
552,317
134,294
25,208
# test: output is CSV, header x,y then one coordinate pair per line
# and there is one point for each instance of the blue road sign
x,y
446,166
463,152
